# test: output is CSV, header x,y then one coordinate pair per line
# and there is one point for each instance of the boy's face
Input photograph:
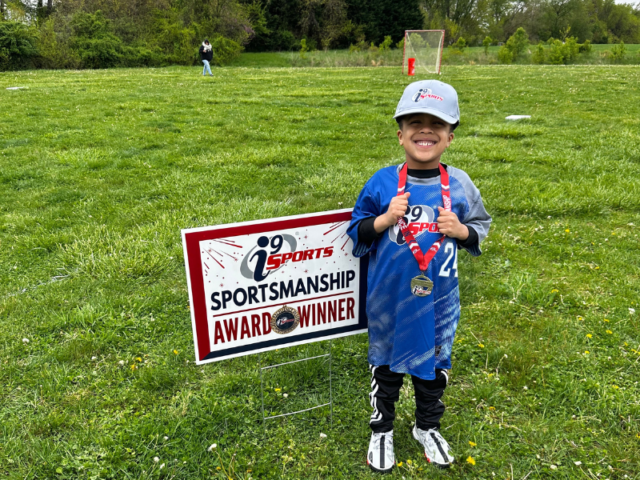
x,y
424,138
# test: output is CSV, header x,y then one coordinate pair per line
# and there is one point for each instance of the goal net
x,y
425,47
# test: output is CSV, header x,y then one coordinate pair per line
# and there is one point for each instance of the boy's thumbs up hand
x,y
449,225
397,209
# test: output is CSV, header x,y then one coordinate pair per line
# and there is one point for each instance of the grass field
x,y
99,171
470,56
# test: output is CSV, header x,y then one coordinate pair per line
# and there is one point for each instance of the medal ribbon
x,y
423,260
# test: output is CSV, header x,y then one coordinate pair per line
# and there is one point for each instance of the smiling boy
x,y
411,219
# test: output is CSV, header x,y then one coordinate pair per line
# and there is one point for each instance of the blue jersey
x,y
414,334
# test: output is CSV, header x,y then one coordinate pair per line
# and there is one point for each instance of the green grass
x,y
99,171
470,56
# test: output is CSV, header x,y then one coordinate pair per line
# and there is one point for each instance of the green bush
x,y
225,50
460,45
486,43
515,46
17,46
618,52
142,57
505,55
585,47
556,53
303,48
518,43
386,44
104,52
54,51
93,41
563,53
538,54
572,48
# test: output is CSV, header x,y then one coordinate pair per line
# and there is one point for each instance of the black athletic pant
x,y
385,391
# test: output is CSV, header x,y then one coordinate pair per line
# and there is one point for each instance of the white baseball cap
x,y
430,96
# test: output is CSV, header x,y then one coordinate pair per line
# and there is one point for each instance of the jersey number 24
x,y
451,250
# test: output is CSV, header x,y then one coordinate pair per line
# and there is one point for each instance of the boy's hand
x,y
449,225
397,209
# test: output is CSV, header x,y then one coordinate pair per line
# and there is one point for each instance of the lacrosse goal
x,y
425,47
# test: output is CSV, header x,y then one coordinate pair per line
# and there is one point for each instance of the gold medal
x,y
421,286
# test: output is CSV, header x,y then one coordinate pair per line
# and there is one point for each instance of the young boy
x,y
411,219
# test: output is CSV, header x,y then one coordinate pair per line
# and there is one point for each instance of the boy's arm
x,y
372,228
477,220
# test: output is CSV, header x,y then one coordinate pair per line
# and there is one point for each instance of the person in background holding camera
x,y
206,55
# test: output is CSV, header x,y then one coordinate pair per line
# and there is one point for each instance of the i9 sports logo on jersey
x,y
420,219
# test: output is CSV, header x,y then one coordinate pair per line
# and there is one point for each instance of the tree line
x,y
108,33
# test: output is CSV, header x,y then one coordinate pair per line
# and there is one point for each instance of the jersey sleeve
x,y
477,218
366,206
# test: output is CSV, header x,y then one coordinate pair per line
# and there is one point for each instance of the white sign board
x,y
258,286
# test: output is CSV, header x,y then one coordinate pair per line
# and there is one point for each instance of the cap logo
x,y
425,93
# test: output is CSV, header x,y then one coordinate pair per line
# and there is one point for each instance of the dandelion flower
x,y
555,290
218,468
615,386
138,359
586,352
589,335
408,462
481,345
471,460
278,389
492,408
212,447
580,318
609,332
175,352
133,367
400,464
606,320
568,231
472,444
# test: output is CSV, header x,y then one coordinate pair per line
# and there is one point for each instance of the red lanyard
x,y
423,260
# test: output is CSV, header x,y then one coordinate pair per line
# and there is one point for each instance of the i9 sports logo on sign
x,y
262,285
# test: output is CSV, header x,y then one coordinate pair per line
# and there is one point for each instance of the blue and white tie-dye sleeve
x,y
367,205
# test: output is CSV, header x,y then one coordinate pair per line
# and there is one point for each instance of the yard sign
x,y
267,284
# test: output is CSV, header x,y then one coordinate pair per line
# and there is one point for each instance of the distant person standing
x,y
206,55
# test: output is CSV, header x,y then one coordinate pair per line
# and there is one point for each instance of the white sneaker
x,y
380,457
436,448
